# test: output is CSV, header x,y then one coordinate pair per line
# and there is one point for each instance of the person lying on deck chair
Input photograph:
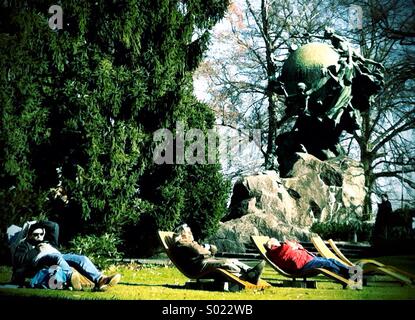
x,y
197,259
293,258
38,250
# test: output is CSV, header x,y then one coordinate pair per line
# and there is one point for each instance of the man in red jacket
x,y
293,258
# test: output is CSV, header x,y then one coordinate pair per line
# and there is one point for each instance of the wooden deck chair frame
x,y
369,266
260,241
370,261
219,274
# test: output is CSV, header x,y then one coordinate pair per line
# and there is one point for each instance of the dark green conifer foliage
x,y
79,107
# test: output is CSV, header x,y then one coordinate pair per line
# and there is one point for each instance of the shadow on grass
x,y
135,284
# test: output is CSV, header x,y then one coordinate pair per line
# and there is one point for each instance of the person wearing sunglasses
x,y
38,250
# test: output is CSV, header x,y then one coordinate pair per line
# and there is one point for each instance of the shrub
x,y
342,231
98,248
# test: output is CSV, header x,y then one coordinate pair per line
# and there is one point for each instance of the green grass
x,y
167,283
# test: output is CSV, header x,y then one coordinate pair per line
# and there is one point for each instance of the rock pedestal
x,y
266,204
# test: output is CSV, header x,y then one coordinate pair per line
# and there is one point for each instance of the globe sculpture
x,y
326,87
305,65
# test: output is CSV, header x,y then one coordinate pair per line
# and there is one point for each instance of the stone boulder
x,y
266,204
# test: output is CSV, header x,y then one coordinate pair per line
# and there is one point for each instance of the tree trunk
x,y
367,204
366,158
272,121
270,153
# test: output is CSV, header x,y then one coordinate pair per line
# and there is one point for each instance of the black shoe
x,y
253,274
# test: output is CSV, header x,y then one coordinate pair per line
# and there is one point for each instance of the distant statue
x,y
326,87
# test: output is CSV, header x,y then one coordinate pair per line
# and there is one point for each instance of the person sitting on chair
x,y
38,250
293,258
196,259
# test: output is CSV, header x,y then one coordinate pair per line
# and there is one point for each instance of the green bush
x,y
97,248
195,195
342,231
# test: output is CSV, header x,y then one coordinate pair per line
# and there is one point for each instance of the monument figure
x,y
326,87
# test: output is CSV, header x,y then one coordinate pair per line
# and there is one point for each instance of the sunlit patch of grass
x,y
154,282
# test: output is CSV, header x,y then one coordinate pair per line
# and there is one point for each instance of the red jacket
x,y
289,259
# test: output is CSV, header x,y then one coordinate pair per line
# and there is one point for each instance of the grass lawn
x,y
146,282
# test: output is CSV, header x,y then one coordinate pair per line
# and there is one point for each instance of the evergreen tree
x,y
80,105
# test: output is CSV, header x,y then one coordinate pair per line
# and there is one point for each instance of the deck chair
x,y
219,274
370,261
260,241
369,266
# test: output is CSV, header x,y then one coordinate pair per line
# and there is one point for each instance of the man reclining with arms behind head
x,y
196,259
38,250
